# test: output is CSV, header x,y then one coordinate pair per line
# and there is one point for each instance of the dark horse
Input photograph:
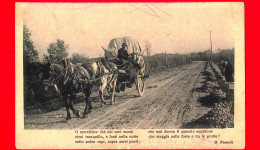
x,y
74,78
35,75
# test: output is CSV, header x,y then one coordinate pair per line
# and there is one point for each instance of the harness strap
x,y
66,73
106,63
86,75
103,75
60,75
99,68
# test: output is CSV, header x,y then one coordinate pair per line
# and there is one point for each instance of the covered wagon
x,y
136,53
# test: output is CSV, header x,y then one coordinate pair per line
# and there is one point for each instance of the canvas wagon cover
x,y
132,44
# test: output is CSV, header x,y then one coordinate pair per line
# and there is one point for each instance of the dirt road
x,y
162,106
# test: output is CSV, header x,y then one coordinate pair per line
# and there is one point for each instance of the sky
x,y
169,27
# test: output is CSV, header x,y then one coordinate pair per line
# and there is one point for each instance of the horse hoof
x,y
103,103
68,118
111,103
77,114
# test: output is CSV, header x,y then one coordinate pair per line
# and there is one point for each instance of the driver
x,y
123,57
122,52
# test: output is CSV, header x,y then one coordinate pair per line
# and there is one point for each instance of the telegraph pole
x,y
210,59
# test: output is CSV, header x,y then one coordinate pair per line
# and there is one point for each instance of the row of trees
x,y
221,54
177,59
199,56
224,54
163,59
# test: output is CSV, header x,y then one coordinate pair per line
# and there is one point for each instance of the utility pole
x,y
210,48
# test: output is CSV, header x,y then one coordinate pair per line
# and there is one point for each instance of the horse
x,y
35,74
75,78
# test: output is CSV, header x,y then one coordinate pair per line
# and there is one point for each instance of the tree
x,y
57,51
148,48
29,53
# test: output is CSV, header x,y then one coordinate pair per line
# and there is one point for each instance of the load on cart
x,y
127,54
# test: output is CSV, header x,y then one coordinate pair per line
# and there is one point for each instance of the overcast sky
x,y
170,27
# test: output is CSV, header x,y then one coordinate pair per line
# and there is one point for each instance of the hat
x,y
124,44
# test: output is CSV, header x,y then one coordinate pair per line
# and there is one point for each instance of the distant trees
x,y
30,54
158,60
79,58
224,54
199,56
56,51
221,54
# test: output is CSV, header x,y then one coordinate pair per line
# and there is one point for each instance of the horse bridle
x,y
59,77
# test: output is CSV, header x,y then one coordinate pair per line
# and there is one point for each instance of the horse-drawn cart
x,y
133,73
75,78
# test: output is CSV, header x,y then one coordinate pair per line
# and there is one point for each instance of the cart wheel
x,y
140,85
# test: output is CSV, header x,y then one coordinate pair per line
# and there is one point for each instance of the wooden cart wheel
x,y
140,85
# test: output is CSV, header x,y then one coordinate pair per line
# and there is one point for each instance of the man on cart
x,y
124,60
122,52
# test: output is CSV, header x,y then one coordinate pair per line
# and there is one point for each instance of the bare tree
x,y
148,48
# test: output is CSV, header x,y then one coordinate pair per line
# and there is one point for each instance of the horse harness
x,y
65,73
